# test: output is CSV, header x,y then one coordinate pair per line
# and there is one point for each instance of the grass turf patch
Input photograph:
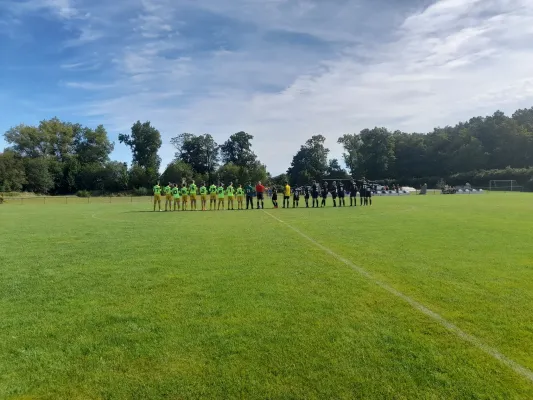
x,y
110,301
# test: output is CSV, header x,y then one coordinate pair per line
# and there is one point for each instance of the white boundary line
x,y
491,351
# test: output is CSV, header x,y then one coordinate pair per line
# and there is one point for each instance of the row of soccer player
x,y
177,198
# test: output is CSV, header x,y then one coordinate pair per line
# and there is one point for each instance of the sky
x,y
281,70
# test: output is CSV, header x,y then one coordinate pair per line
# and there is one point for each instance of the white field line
x,y
491,351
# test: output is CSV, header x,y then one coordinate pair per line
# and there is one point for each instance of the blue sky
x,y
281,70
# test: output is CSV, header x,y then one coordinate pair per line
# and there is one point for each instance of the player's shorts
x,y
221,198
296,198
341,195
230,197
177,198
184,197
314,195
260,196
169,197
240,198
203,197
193,196
334,195
275,197
157,197
213,196
353,194
369,193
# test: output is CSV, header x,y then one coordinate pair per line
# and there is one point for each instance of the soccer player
x,y
176,195
334,193
212,197
203,196
369,195
249,190
306,196
192,194
341,193
362,192
220,195
324,194
296,197
286,194
157,195
167,190
184,196
260,191
240,198
275,196
231,192
314,193
353,193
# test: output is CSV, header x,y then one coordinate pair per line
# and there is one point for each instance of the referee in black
x,y
324,194
306,195
341,195
334,193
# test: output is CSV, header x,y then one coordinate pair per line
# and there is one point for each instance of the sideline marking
x,y
491,351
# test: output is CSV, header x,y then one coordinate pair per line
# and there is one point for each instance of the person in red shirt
x,y
260,190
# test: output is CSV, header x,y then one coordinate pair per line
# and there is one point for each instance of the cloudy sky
x,y
281,70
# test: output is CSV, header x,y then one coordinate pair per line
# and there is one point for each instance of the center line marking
x,y
491,351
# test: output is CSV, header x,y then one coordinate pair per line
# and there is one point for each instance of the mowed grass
x,y
111,301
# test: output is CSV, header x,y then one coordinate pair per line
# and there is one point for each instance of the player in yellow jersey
x,y
212,196
157,196
184,196
231,194
192,194
167,190
240,198
203,196
177,196
220,195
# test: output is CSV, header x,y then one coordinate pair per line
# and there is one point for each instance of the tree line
x,y
58,157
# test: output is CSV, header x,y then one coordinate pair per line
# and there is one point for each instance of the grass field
x,y
111,301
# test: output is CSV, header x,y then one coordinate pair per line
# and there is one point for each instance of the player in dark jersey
x,y
324,194
362,193
307,190
314,193
340,192
334,193
296,197
353,193
275,196
369,195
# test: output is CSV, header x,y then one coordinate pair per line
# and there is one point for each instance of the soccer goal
x,y
505,186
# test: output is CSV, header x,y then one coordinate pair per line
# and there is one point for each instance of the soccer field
x,y
414,297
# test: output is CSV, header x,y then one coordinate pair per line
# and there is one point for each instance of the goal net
x,y
504,186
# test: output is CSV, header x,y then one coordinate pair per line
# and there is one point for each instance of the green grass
x,y
108,301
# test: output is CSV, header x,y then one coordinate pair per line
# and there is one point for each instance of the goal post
x,y
509,185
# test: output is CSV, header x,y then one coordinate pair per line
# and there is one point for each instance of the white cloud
x,y
450,61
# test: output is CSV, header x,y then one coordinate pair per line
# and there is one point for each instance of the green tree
x,y
12,174
39,179
228,173
310,162
335,171
92,146
352,151
176,172
200,152
377,152
238,150
144,141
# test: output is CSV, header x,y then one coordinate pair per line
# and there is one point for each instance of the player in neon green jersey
x,y
203,196
192,194
157,195
167,190
212,197
231,193
240,198
220,195
177,196
184,196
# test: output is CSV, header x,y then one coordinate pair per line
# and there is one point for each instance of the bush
x,y
83,193
141,192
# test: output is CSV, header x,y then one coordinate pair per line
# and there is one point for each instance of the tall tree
x,y
377,152
12,174
176,172
335,171
144,141
92,146
200,152
238,150
38,175
310,162
352,151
